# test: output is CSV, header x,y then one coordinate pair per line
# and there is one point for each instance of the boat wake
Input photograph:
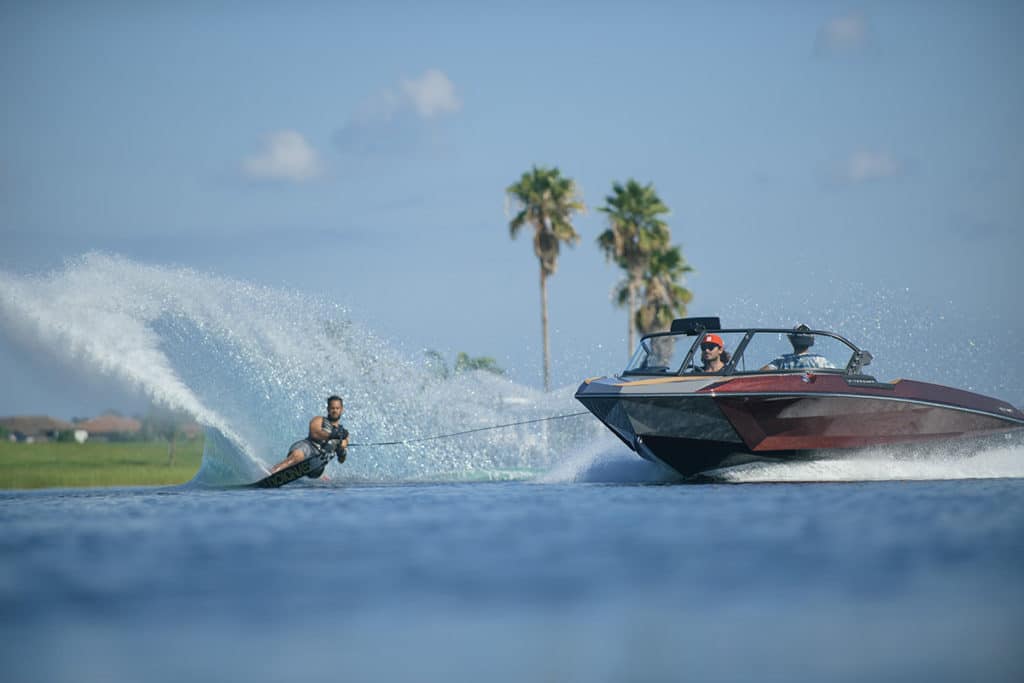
x,y
991,461
608,461
605,460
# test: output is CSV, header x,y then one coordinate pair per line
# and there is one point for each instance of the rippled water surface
x,y
516,581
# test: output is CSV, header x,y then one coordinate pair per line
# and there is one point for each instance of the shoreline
x,y
97,464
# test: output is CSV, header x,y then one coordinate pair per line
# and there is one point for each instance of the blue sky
x,y
812,153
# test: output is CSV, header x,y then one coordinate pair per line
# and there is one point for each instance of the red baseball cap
x,y
713,339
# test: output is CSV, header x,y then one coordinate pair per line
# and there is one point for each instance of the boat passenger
x,y
322,429
801,358
713,355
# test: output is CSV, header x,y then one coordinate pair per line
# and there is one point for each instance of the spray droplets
x,y
253,368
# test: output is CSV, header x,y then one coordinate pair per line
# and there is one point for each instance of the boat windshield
x,y
742,351
660,355
782,351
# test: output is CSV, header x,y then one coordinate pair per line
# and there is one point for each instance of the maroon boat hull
x,y
814,412
693,426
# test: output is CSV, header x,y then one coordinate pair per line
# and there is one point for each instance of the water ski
x,y
313,466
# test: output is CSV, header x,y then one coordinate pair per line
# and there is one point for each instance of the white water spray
x,y
997,459
252,364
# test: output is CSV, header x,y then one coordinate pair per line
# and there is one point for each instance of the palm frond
x,y
547,201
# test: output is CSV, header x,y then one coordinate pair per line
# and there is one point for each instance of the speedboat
x,y
777,394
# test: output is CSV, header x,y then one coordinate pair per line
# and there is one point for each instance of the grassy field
x,y
66,465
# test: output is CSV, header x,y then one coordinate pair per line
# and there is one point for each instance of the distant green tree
x,y
164,424
464,362
664,297
546,201
636,231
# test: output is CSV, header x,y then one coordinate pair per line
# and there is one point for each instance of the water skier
x,y
322,431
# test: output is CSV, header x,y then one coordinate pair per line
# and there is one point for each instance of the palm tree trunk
x,y
170,450
632,315
544,328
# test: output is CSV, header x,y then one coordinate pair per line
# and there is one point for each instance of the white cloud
x,y
431,94
428,96
842,35
404,120
285,156
864,166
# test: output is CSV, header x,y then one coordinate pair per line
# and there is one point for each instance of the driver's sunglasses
x,y
707,346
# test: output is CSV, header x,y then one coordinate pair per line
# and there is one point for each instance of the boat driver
x,y
321,430
801,358
713,355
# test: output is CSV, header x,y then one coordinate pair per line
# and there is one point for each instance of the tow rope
x,y
468,431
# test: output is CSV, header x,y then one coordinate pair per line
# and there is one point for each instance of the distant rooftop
x,y
34,425
110,424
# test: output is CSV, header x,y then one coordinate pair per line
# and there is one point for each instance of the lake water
x,y
514,581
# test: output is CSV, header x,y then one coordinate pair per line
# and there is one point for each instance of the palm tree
x,y
635,232
465,363
664,298
546,201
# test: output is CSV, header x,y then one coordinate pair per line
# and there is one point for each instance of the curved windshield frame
x,y
748,351
660,355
